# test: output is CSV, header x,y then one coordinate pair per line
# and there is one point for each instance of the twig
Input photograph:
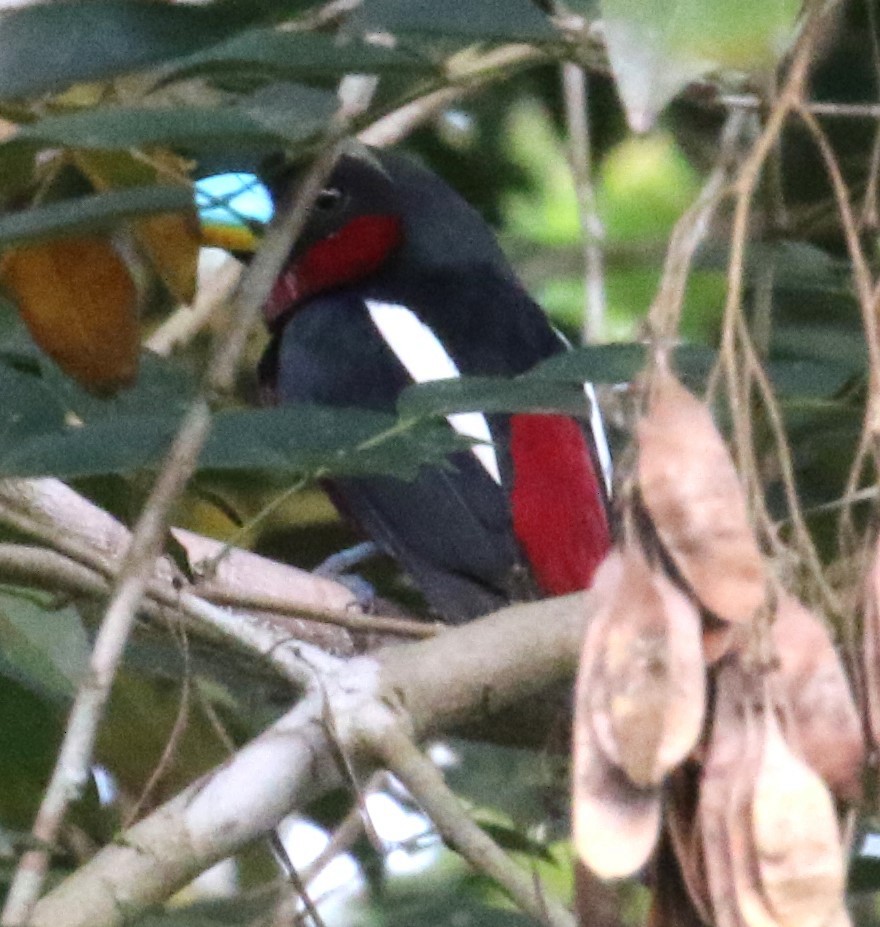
x,y
178,729
296,881
57,516
187,321
426,784
689,232
738,391
464,76
868,296
749,101
378,624
574,85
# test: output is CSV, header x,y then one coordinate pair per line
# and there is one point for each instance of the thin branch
x,y
84,529
868,296
689,232
574,86
465,75
178,729
186,322
748,176
748,101
426,784
351,621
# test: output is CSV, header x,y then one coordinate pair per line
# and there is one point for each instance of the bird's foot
x,y
338,565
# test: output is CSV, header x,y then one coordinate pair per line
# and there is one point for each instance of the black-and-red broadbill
x,y
395,280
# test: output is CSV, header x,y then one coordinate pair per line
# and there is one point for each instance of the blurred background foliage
x,y
110,110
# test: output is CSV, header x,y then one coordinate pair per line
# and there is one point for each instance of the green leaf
x,y
304,439
291,112
299,56
293,439
501,20
278,114
796,377
620,363
120,445
28,407
47,650
49,46
492,394
91,213
657,48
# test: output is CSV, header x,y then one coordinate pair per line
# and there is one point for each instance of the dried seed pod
x,y
826,727
797,840
871,649
727,761
615,825
691,491
683,832
646,675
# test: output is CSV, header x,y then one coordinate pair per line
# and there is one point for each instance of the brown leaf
x,y
691,491
797,840
171,242
826,725
646,674
79,302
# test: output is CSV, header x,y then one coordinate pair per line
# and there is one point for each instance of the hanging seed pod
x,y
644,673
797,840
825,724
615,824
691,491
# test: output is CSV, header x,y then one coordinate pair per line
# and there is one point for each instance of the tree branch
x,y
464,674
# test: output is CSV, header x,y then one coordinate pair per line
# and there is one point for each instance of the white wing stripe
x,y
425,359
597,425
600,438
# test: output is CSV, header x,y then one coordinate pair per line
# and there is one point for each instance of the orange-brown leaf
x,y
79,302
691,491
171,242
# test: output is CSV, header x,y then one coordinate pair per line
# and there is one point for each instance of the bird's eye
x,y
328,199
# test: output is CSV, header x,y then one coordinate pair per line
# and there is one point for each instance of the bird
x,y
396,279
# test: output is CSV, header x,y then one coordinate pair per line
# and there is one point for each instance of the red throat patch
x,y
558,502
358,249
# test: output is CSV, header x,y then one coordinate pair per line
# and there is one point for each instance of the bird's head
x,y
378,210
